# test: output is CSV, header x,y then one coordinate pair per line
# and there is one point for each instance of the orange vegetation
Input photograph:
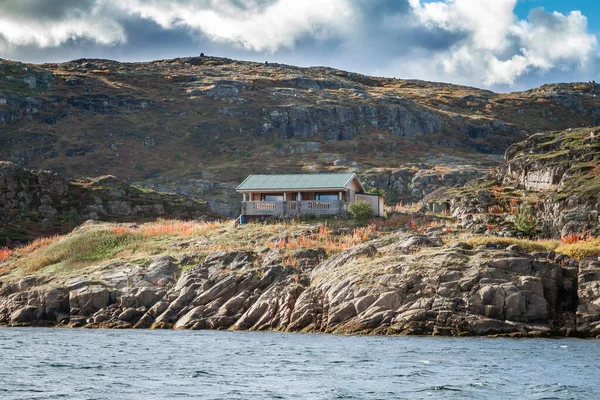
x,y
39,244
167,227
572,238
4,254
324,238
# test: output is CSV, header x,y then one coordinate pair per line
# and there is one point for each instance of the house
x,y
304,194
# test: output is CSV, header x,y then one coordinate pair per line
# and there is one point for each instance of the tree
x,y
378,192
361,211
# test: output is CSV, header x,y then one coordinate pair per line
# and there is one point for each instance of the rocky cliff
x,y
554,176
34,204
385,283
213,120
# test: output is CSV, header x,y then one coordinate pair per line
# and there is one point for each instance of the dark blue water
x,y
37,363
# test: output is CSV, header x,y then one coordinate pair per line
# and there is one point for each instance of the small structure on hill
x,y
304,194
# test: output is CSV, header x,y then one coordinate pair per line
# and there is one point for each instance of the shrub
x,y
4,254
525,221
361,211
378,192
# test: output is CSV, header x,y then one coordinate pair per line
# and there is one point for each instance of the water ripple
x,y
101,364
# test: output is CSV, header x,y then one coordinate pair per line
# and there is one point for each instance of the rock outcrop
x,y
399,284
37,203
554,175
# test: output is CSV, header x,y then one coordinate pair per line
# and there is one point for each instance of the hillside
x,y
470,262
37,204
551,179
198,125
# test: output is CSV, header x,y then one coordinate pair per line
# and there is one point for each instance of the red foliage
x,y
4,254
572,238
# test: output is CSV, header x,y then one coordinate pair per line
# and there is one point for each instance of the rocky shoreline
x,y
399,284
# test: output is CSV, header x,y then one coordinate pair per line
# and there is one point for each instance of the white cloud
x,y
474,42
498,49
256,26
18,27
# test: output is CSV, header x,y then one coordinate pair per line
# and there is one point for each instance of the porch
x,y
296,207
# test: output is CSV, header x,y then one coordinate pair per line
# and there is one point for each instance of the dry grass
x,y
402,208
529,245
4,255
324,238
581,248
163,227
38,244
572,238
94,244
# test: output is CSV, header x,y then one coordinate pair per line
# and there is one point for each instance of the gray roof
x,y
296,181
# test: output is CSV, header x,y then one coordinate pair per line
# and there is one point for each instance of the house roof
x,y
297,181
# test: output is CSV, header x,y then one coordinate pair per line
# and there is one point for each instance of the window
x,y
326,196
271,197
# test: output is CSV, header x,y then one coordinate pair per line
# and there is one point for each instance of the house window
x,y
271,197
326,196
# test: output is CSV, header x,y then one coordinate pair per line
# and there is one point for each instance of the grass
x,y
332,244
527,244
94,244
163,227
577,248
581,249
85,247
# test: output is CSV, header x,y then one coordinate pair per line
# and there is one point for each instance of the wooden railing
x,y
306,207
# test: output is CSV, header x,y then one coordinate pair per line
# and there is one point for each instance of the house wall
x,y
376,203
351,189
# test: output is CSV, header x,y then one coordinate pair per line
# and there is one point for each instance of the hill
x,y
198,125
550,182
471,262
37,204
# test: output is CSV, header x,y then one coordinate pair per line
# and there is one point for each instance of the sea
x,y
49,363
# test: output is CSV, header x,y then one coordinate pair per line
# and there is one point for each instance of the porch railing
x,y
305,207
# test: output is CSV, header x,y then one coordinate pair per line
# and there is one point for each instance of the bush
x,y
361,211
526,222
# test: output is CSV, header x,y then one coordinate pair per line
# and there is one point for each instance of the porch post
x,y
299,196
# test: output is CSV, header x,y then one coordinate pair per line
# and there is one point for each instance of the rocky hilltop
x,y
198,125
553,178
34,204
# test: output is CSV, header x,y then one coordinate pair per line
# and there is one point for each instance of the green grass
x,y
82,247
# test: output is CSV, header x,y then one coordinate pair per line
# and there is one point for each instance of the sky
x,y
502,45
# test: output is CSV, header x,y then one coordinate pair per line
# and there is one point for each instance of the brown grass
x,y
581,248
527,244
163,227
38,244
324,238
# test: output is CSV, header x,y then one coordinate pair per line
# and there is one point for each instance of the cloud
x,y
258,25
498,48
51,24
475,42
